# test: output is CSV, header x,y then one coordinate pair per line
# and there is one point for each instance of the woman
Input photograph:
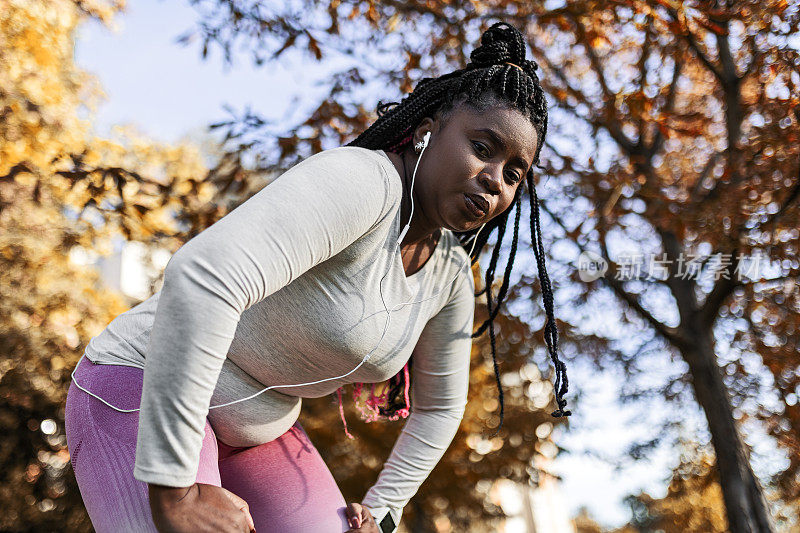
x,y
311,284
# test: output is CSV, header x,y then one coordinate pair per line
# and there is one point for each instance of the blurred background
x,y
669,206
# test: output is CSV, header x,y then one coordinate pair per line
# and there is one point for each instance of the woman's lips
x,y
476,210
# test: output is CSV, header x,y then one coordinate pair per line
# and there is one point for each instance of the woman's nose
x,y
492,180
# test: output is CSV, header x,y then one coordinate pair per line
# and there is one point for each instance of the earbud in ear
x,y
420,146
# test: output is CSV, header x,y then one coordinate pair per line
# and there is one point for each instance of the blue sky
x,y
167,91
165,88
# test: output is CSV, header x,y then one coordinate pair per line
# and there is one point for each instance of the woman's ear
x,y
426,125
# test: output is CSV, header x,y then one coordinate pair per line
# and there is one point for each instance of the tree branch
x,y
712,160
692,42
658,139
576,93
722,289
593,59
595,118
672,335
725,57
642,65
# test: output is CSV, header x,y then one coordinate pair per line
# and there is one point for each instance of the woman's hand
x,y
360,519
199,508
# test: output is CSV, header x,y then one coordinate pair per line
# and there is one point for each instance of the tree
x,y
693,502
686,119
48,306
63,190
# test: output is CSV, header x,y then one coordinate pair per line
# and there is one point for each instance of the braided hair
x,y
497,74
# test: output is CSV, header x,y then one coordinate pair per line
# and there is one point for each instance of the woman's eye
x,y
483,151
480,148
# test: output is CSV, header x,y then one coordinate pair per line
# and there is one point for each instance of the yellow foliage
x,y
60,188
39,82
51,152
694,502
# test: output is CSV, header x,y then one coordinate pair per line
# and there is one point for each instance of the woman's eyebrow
x,y
502,144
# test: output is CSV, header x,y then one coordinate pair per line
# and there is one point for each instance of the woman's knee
x,y
287,485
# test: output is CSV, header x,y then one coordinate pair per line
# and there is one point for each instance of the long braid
x,y
497,72
512,253
550,329
494,348
500,297
507,275
501,231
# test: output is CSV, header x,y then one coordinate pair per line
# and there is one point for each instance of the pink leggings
x,y
285,481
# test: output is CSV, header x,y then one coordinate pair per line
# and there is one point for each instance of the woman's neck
x,y
420,233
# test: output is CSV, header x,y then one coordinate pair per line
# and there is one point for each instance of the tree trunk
x,y
744,499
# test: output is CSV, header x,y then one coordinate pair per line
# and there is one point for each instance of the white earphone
x,y
424,144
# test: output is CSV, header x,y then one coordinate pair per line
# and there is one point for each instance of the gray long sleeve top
x,y
290,288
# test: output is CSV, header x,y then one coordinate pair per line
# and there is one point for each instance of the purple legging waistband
x,y
285,481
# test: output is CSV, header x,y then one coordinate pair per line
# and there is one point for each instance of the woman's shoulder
x,y
357,157
366,167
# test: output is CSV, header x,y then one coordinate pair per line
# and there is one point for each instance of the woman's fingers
x,y
366,516
360,518
201,507
241,505
354,515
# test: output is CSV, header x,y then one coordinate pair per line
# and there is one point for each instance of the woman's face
x,y
473,164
